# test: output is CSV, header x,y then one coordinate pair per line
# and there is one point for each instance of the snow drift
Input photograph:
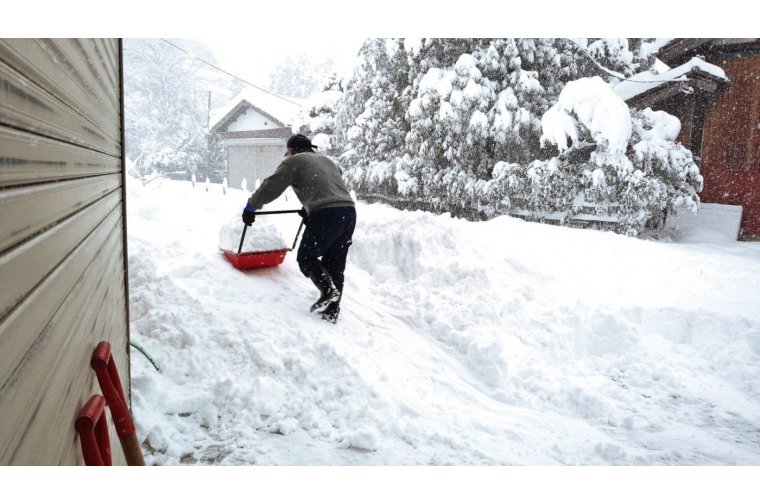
x,y
499,342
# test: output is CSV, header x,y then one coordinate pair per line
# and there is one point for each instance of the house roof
x,y
280,109
680,50
651,86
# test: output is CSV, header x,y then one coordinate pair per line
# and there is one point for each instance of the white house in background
x,y
254,128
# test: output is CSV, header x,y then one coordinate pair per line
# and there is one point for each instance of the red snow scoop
x,y
260,258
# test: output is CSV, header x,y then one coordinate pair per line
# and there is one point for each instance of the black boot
x,y
327,291
333,309
331,312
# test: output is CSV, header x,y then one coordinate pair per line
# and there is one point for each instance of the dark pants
x,y
325,242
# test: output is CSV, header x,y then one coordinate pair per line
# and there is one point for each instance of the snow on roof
x,y
653,47
658,76
282,108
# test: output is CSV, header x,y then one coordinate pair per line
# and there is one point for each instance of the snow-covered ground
x,y
465,343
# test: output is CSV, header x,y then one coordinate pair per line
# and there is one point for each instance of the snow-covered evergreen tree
x,y
360,119
356,93
620,166
379,132
166,95
299,76
446,122
316,119
656,155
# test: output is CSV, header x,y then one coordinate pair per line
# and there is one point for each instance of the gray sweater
x,y
315,179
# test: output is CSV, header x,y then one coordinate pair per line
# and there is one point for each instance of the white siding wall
x,y
253,160
252,120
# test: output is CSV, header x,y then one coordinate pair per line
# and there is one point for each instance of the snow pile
x,y
498,342
661,126
365,439
589,103
261,235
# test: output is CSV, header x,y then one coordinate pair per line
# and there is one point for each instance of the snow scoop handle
x,y
300,227
271,212
240,247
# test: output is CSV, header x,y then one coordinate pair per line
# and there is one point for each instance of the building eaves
x,y
645,89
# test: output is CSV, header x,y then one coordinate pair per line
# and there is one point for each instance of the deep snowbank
x,y
500,342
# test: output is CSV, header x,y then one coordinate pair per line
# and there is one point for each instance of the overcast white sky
x,y
311,21
265,31
254,58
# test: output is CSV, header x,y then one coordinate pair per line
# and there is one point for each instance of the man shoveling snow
x,y
329,214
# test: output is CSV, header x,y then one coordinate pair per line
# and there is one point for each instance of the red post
x,y
108,378
93,432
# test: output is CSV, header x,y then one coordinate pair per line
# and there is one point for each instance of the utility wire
x,y
226,72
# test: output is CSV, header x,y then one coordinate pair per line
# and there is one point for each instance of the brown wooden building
x,y
63,256
720,117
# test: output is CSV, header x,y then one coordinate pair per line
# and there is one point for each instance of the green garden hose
x,y
145,354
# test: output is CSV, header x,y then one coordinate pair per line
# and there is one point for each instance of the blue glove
x,y
249,214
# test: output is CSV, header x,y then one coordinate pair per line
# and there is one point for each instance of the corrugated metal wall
x,y
62,240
